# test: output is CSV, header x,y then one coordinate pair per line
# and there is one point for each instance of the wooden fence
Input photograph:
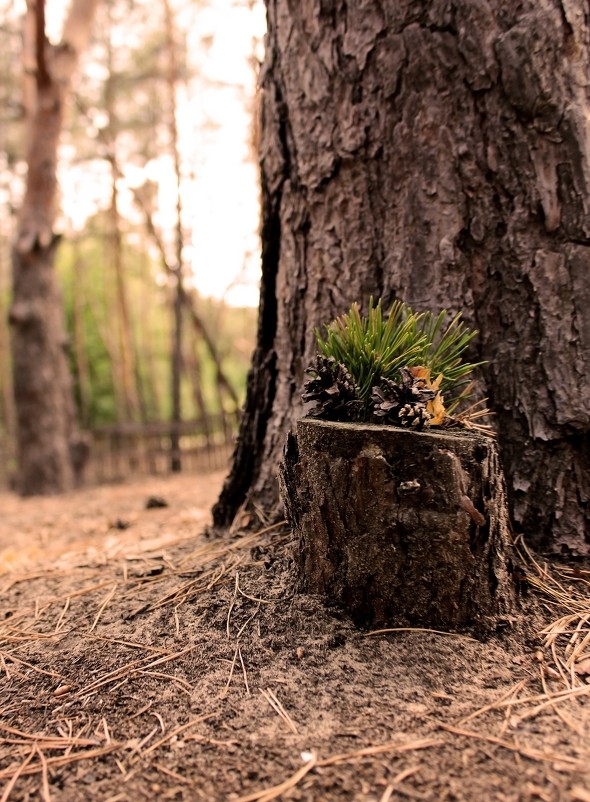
x,y
120,451
131,449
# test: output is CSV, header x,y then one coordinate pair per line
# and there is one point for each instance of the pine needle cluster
x,y
396,367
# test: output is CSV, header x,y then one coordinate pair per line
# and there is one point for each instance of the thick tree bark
x,y
49,448
436,152
402,528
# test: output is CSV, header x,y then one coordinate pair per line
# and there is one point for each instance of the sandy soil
x,y
141,659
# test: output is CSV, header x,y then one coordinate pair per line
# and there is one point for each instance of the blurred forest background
x,y
157,169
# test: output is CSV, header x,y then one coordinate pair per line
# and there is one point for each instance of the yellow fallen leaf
x,y
420,372
437,409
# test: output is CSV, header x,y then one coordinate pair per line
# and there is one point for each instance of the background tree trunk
x,y
49,450
438,152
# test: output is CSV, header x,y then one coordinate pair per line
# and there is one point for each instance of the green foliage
x,y
375,348
93,324
371,346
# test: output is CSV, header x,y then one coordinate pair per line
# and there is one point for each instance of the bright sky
x,y
220,200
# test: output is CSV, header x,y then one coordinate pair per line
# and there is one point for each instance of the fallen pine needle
x,y
560,713
268,794
146,739
244,671
393,746
105,728
160,720
231,607
511,692
108,598
166,658
273,701
130,643
252,598
59,624
573,764
16,774
388,793
231,672
246,622
53,739
178,777
552,700
162,674
131,669
62,760
399,778
418,629
45,793
543,698
13,658
174,732
403,775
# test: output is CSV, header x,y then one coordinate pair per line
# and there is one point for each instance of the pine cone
x,y
414,415
404,402
333,389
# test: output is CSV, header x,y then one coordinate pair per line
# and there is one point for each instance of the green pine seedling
x,y
375,346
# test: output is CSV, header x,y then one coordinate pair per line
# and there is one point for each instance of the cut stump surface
x,y
401,528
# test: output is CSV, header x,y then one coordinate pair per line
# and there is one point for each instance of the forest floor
x,y
157,662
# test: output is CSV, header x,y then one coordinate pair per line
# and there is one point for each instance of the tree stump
x,y
402,528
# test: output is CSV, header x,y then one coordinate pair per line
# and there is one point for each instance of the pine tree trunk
x,y
438,153
42,384
50,451
172,77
